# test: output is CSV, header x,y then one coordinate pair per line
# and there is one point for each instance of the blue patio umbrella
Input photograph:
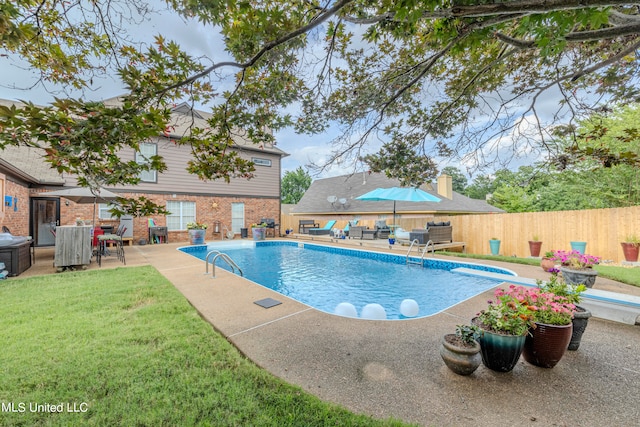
x,y
398,194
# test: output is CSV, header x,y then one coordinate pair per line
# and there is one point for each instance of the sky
x,y
17,81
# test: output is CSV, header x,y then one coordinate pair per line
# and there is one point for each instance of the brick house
x,y
25,178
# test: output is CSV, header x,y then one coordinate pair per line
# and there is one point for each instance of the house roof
x,y
29,164
347,187
184,117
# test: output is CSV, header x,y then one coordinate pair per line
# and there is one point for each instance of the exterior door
x,y
237,217
45,216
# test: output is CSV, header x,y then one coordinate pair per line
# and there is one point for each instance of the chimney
x,y
445,186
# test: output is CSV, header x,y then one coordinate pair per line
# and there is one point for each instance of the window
x,y
237,217
142,157
261,162
181,214
103,211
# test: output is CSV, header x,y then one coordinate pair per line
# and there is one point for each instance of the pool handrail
x,y
422,254
224,257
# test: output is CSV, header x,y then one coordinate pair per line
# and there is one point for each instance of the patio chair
x,y
113,239
324,230
347,228
382,229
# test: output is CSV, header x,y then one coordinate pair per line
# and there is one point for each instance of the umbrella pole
x,y
394,213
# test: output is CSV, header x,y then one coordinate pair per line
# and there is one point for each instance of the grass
x,y
628,275
123,347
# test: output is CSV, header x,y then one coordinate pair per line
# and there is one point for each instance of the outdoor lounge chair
x,y
324,230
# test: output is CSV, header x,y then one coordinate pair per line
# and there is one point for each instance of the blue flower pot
x,y
495,247
579,246
500,352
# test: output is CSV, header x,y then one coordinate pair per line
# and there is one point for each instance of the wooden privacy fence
x,y
602,229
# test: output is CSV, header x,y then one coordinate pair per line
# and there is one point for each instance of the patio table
x,y
368,234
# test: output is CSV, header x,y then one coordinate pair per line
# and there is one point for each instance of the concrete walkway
x,y
393,368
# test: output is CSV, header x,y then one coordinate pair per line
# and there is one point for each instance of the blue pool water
x,y
323,276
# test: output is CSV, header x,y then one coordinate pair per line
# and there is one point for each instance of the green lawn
x,y
628,275
123,347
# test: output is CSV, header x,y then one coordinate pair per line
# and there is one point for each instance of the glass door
x,y
45,216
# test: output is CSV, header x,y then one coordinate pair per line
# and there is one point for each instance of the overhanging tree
x,y
423,79
294,185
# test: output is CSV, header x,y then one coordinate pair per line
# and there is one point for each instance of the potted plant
x,y
571,294
534,246
548,263
576,267
460,351
631,248
392,239
578,246
197,232
258,231
548,339
494,244
504,325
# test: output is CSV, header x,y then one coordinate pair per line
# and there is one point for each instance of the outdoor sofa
x,y
437,232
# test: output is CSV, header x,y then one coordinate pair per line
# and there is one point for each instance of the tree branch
x,y
315,22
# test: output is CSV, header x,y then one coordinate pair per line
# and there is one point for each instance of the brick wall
x,y
16,217
209,209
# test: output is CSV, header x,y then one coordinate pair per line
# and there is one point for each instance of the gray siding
x,y
176,179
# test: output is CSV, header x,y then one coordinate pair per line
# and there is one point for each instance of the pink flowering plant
x,y
574,259
558,286
506,314
547,307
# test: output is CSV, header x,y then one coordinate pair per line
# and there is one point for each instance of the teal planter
x,y
500,352
579,246
495,247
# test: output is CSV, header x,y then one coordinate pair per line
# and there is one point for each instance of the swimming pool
x,y
325,276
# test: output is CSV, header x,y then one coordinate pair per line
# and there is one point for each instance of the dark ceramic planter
x,y
579,277
500,352
461,360
580,320
546,344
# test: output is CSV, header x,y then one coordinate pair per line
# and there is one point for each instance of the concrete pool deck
x,y
393,368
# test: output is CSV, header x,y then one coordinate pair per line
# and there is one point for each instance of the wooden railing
x,y
602,229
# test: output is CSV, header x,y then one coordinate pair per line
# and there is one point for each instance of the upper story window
x,y
261,162
147,149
